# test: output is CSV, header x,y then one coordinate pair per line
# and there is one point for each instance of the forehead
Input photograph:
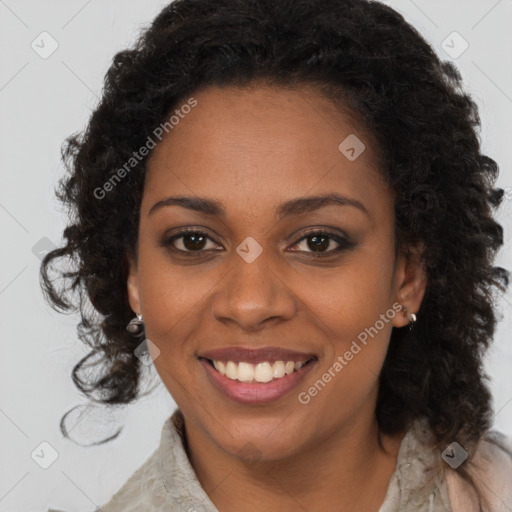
x,y
255,146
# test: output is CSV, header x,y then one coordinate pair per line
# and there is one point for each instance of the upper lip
x,y
255,355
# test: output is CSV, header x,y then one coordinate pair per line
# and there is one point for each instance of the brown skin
x,y
253,149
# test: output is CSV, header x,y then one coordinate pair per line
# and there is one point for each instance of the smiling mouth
x,y
262,372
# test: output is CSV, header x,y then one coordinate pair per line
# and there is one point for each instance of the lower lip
x,y
255,392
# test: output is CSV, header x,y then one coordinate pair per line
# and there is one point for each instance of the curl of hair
x,y
366,58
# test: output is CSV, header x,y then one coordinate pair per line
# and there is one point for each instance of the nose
x,y
253,295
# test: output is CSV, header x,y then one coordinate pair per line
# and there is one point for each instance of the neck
x,y
353,476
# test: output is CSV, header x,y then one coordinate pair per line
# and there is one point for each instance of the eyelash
x,y
344,243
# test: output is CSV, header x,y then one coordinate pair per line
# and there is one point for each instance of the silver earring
x,y
412,317
136,326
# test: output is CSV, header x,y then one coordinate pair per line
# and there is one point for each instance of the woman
x,y
286,204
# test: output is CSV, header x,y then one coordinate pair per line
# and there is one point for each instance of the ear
x,y
132,284
410,283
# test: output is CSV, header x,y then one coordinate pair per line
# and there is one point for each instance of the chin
x,y
272,439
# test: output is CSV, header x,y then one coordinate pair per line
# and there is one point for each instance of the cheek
x,y
354,312
172,303
353,296
173,300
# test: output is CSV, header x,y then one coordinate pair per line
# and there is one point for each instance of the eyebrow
x,y
298,206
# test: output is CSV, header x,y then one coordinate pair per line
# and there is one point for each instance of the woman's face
x,y
257,276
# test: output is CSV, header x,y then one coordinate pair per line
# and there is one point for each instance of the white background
x,y
42,101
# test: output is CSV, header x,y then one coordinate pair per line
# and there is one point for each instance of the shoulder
x,y
142,487
491,470
166,481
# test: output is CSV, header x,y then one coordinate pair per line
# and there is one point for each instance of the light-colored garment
x,y
421,482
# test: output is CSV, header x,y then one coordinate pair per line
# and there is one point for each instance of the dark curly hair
x,y
365,56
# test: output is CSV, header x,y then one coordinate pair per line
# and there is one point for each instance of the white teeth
x,y
278,369
245,372
289,367
232,370
261,372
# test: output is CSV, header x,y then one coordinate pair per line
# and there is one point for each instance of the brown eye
x,y
187,241
319,242
194,241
